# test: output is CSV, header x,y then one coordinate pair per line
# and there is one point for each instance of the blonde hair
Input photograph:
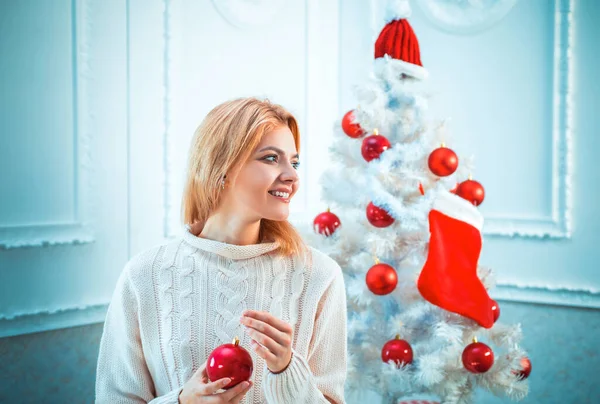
x,y
221,144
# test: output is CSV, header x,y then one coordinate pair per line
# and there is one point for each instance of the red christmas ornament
x,y
350,127
453,190
525,370
443,161
381,278
232,361
472,191
326,223
397,350
374,145
495,310
477,357
378,217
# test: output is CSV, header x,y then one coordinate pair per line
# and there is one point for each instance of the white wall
x,y
63,161
198,55
100,98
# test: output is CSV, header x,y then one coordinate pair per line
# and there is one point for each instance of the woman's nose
x,y
290,174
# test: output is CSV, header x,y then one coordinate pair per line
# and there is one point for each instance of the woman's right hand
x,y
198,390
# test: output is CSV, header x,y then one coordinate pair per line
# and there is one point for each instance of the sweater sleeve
x,y
320,378
121,374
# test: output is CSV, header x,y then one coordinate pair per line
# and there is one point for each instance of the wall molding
x,y
47,320
556,296
45,235
322,95
247,13
559,225
321,100
80,231
169,230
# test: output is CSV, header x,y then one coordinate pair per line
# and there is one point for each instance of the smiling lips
x,y
282,196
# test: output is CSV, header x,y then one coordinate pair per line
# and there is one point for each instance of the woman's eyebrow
x,y
278,150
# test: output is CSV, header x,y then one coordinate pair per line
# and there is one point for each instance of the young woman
x,y
241,270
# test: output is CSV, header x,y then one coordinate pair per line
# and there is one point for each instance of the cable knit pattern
x,y
167,308
278,288
297,286
175,303
232,288
187,320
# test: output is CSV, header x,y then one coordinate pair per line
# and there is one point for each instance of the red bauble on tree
x,y
525,370
326,223
443,161
378,217
350,127
374,145
381,278
472,191
232,361
453,190
477,357
495,310
397,350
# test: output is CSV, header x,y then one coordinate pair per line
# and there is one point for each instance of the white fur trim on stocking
x,y
458,208
398,67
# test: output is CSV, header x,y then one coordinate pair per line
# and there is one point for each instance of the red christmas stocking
x,y
449,277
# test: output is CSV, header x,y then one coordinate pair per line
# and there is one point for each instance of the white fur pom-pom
x,y
396,10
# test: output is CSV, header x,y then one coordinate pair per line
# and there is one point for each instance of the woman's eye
x,y
295,164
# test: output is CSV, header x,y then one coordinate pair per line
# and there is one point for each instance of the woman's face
x,y
271,167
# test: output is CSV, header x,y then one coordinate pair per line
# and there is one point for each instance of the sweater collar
x,y
232,251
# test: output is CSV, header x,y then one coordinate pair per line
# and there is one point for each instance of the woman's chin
x,y
277,216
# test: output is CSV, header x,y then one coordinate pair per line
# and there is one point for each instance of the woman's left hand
x,y
273,334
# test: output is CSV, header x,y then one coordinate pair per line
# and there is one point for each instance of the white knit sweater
x,y
175,303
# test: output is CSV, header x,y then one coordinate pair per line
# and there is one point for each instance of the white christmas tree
x,y
406,231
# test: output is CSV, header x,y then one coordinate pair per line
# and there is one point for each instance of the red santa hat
x,y
397,47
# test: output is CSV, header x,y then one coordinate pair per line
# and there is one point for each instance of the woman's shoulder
x,y
322,267
140,265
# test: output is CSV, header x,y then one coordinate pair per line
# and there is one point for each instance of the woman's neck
x,y
228,230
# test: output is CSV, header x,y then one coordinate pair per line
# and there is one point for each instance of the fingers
x,y
263,352
237,393
212,388
204,374
265,341
280,337
201,371
270,319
